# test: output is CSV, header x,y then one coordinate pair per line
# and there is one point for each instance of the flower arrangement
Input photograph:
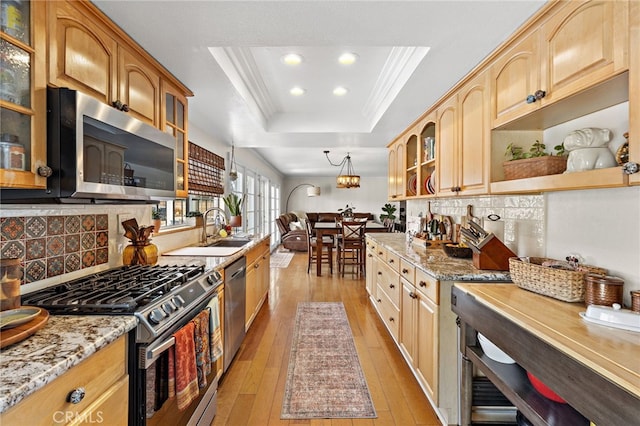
x,y
347,211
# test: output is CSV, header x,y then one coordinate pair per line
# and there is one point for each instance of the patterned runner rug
x,y
324,378
280,259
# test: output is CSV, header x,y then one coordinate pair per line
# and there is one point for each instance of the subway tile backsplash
x,y
48,246
522,217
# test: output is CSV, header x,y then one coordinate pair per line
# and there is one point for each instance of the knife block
x,y
494,255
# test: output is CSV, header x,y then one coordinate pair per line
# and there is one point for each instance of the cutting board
x,y
204,251
22,331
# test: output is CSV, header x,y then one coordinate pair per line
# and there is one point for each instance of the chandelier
x,y
347,177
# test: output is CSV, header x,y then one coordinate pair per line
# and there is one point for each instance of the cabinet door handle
x,y
45,171
422,284
405,271
392,286
391,319
379,273
76,395
413,295
390,260
379,300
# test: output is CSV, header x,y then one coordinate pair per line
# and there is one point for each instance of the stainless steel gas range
x,y
164,299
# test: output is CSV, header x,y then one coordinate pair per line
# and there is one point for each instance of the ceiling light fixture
x,y
348,58
347,178
292,59
233,172
297,91
340,91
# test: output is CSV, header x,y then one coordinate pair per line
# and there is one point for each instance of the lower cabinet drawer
x,y
96,374
428,286
110,409
389,281
389,313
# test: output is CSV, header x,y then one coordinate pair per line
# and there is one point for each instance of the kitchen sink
x,y
229,243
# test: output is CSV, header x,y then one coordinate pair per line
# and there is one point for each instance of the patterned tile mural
x,y
53,245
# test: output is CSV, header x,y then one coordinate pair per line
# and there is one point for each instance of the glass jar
x,y
10,281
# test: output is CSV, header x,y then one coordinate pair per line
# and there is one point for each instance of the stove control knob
x,y
168,307
178,301
156,315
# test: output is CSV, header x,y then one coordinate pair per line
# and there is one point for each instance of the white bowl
x,y
493,352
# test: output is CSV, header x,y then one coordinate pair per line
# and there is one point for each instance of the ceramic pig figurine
x,y
588,149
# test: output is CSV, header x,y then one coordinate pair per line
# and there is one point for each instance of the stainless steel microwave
x,y
97,153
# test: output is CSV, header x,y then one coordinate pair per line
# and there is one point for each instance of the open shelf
x,y
512,381
599,178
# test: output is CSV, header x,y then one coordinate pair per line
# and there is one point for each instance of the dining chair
x,y
327,249
389,224
351,247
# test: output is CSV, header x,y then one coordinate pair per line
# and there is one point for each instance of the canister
x,y
12,155
635,300
10,280
603,290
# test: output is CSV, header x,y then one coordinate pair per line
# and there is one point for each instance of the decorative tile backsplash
x,y
53,245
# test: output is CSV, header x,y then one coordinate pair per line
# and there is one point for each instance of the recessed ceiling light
x,y
297,91
340,91
292,59
347,58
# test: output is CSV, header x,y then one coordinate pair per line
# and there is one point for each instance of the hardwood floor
x,y
251,391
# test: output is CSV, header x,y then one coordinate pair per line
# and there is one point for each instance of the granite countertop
x,y
62,343
435,262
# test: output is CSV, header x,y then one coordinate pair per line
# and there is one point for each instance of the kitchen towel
x,y
203,349
214,329
186,371
171,376
150,403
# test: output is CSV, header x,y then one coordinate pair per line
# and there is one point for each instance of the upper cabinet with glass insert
x,y
22,94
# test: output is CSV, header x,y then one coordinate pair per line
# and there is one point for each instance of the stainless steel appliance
x,y
164,299
96,153
235,307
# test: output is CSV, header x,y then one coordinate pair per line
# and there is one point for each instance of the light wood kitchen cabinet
x,y
577,45
257,279
634,88
426,153
370,267
396,170
83,55
23,94
88,53
446,143
139,87
175,122
463,134
105,381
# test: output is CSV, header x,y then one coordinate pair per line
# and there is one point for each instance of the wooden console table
x,y
596,369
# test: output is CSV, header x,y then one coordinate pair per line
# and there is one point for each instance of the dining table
x,y
334,228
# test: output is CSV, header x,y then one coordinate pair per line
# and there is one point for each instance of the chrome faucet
x,y
204,221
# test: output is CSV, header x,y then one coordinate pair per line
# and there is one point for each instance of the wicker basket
x,y
568,286
538,166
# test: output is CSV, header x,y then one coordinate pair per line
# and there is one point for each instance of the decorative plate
x,y
16,317
412,185
431,184
426,184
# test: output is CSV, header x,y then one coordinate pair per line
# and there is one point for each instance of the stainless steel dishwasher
x,y
235,295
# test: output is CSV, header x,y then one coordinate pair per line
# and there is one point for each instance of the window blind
x,y
206,171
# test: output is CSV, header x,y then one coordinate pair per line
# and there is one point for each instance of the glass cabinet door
x,y
175,123
22,94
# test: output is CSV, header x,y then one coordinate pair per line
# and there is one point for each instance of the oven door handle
x,y
152,354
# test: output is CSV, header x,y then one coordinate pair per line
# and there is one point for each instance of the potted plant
x,y
198,217
234,204
156,219
536,161
389,210
347,212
